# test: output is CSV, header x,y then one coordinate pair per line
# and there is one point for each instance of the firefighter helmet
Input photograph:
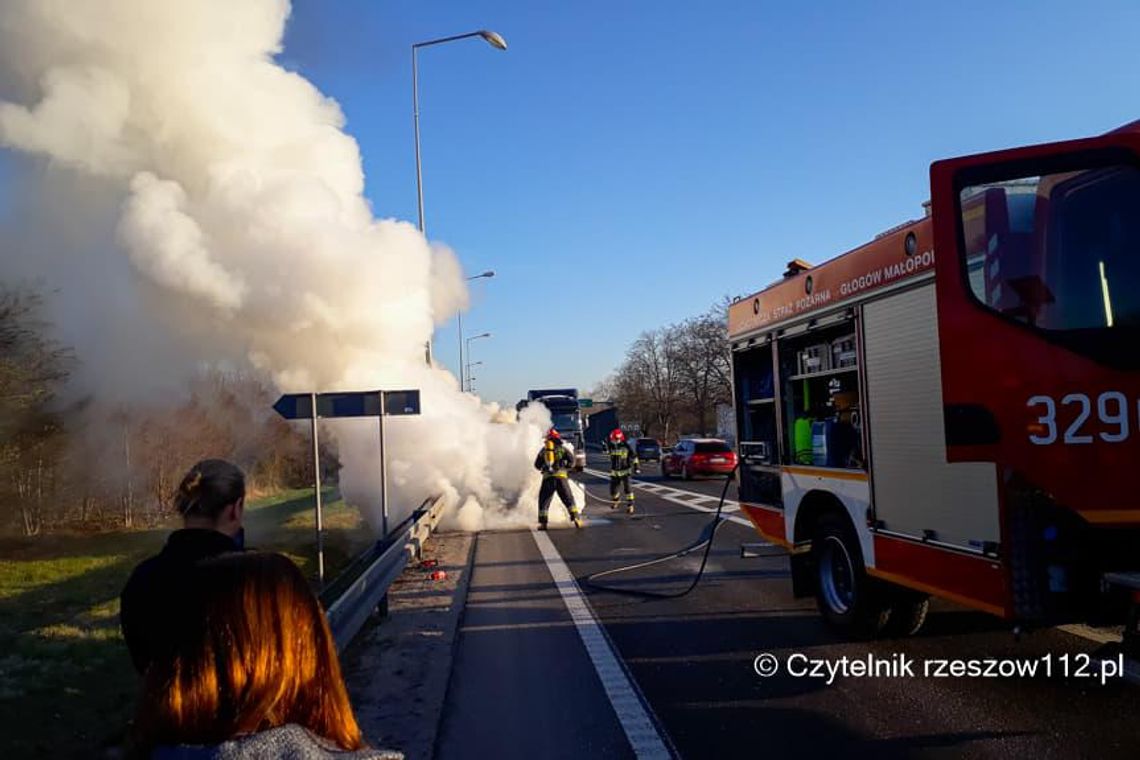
x,y
553,435
617,436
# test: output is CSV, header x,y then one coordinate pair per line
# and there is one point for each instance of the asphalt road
x,y
525,685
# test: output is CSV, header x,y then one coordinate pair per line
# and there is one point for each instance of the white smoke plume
x,y
232,227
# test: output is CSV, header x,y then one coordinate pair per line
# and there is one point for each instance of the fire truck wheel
x,y
908,613
848,598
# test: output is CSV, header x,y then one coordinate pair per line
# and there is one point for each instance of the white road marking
x,y
1099,635
631,709
682,497
1105,636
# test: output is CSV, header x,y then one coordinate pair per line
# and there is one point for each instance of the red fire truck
x,y
953,409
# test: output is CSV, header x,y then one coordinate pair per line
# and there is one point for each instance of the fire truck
x,y
953,409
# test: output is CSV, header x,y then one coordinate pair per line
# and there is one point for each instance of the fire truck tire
x,y
849,599
908,613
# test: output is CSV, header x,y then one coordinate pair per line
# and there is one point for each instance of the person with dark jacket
x,y
211,501
623,461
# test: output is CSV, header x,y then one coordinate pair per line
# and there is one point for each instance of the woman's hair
x,y
252,652
208,488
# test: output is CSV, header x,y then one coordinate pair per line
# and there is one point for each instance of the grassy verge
x,y
66,683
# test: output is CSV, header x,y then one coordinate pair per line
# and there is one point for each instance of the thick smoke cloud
x,y
225,222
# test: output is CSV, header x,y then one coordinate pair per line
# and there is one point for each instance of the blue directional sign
x,y
299,406
348,404
295,406
401,402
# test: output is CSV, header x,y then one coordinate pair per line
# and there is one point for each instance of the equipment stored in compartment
x,y
822,443
802,437
843,352
816,358
758,452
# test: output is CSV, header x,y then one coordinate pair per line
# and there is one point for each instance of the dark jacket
x,y
289,742
623,458
149,600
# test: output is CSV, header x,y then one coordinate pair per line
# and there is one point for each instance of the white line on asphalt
x,y
632,711
679,496
1105,636
1100,636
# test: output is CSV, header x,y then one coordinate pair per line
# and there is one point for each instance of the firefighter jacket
x,y
623,458
554,463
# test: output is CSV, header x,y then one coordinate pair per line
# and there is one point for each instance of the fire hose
x,y
704,540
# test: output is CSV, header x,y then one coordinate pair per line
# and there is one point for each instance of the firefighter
x,y
555,462
623,460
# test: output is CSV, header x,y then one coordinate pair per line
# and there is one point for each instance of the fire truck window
x,y
1060,252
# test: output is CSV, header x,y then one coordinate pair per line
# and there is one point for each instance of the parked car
x,y
647,449
698,456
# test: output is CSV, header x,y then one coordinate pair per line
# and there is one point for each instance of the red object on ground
x,y
429,563
439,575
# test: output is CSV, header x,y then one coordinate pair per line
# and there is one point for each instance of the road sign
x,y
295,406
401,402
379,404
299,406
585,403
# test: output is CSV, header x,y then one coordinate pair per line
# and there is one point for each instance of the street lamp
x,y
459,316
473,337
469,378
494,40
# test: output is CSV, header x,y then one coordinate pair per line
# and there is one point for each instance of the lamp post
x,y
469,378
494,40
475,337
459,316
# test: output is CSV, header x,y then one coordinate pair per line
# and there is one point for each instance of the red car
x,y
698,456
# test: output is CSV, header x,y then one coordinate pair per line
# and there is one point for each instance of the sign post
x,y
383,478
317,491
379,404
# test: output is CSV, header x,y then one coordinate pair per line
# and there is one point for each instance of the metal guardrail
x,y
350,601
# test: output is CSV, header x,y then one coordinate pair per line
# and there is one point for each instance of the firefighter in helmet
x,y
555,462
623,460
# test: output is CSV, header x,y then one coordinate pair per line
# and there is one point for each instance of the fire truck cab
x,y
953,409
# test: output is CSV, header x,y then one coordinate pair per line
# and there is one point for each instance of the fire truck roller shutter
x,y
916,492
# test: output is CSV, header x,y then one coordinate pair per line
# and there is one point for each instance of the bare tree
x,y
704,368
32,369
647,383
673,378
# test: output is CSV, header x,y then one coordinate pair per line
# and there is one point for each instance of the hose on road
x,y
607,501
705,540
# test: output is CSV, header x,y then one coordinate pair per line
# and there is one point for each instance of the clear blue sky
x,y
625,164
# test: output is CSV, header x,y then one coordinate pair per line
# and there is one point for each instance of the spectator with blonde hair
x,y
253,671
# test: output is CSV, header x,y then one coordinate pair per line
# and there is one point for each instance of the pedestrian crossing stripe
x,y
684,498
